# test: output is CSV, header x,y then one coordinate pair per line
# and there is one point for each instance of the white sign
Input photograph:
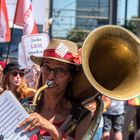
x,y
34,45
12,114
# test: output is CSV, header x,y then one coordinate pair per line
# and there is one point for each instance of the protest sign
x,y
34,45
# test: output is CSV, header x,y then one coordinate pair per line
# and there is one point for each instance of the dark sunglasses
x,y
15,73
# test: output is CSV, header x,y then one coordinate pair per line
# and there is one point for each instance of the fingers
x,y
30,123
25,122
34,121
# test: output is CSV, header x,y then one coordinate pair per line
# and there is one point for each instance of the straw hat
x,y
61,50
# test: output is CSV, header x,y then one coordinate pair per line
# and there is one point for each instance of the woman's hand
x,y
35,121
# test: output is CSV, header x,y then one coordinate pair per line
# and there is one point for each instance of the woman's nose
x,y
18,75
51,75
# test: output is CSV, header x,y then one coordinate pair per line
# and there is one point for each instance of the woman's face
x,y
59,73
15,77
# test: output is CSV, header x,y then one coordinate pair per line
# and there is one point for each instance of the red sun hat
x,y
61,50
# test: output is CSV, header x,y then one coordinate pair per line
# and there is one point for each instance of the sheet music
x,y
11,114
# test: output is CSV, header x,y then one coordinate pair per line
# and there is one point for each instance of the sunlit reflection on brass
x,y
111,61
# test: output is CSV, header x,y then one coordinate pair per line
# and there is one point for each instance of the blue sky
x,y
131,10
65,19
64,4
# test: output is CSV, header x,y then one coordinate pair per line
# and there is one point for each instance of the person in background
x,y
131,123
106,104
113,121
57,108
13,80
31,76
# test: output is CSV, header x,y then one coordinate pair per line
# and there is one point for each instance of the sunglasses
x,y
15,73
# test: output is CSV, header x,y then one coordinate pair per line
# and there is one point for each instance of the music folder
x,y
12,113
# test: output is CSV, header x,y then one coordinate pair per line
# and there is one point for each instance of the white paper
x,y
12,114
61,50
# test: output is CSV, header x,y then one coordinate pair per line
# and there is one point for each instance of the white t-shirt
x,y
116,107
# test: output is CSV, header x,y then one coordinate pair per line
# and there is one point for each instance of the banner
x,y
24,17
5,34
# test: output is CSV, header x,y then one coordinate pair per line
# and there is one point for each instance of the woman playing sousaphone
x,y
56,106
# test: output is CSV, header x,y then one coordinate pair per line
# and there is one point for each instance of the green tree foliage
x,y
131,25
77,35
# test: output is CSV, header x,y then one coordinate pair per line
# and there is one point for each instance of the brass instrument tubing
x,y
38,92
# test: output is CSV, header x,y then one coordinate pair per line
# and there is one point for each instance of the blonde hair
x,y
22,90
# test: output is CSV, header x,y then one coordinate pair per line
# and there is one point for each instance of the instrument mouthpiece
x,y
50,83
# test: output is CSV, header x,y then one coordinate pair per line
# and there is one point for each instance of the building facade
x,y
91,13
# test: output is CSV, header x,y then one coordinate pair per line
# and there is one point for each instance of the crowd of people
x,y
58,115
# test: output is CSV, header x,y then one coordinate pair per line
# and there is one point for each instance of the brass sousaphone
x,y
111,64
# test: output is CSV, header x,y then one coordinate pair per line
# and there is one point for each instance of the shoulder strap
x,y
78,113
65,123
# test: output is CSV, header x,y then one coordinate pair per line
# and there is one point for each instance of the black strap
x,y
78,113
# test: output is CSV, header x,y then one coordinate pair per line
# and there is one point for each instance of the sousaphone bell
x,y
110,64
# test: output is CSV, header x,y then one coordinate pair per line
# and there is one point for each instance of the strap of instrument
x,y
78,113
95,121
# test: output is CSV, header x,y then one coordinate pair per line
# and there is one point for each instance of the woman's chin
x,y
52,91
17,84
